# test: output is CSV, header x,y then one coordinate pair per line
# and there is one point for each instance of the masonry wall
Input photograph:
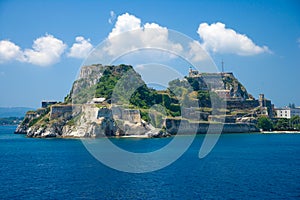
x,y
176,126
131,115
57,111
248,104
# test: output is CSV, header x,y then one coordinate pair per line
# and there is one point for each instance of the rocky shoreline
x,y
90,121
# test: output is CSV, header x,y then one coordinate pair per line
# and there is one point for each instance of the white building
x,y
287,112
98,100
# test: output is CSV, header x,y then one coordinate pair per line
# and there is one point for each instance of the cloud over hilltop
x,y
81,48
129,34
219,39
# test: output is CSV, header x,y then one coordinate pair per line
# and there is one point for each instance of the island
x,y
98,105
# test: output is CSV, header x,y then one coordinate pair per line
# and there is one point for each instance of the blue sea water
x,y
241,166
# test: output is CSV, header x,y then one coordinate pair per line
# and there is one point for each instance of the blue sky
x,y
29,74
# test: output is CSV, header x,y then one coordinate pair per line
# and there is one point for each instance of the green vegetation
x,y
83,95
118,82
109,79
264,123
73,120
284,124
292,105
34,121
295,122
145,115
185,88
33,117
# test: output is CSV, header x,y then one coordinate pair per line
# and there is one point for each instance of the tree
x,y
295,122
292,105
282,124
203,98
264,123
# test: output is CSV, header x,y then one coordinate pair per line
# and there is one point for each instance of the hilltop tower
x,y
262,100
193,73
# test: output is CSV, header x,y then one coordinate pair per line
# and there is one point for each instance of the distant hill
x,y
6,112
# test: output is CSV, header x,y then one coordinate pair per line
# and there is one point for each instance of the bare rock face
x,y
88,124
21,129
100,122
92,72
88,77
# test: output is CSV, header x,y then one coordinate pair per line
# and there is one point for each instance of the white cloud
x,y
112,17
298,41
9,51
46,50
81,48
129,34
125,22
219,39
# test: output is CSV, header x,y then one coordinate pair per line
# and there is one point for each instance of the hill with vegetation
x,y
122,87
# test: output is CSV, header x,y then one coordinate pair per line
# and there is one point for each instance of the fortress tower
x,y
262,100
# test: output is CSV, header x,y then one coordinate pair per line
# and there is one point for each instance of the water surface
x,y
241,166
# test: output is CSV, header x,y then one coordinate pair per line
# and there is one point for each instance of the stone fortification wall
x,y
172,126
57,111
248,104
132,115
194,114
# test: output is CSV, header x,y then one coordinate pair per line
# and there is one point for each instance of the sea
x,y
240,166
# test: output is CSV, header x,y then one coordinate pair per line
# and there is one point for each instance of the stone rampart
x,y
177,126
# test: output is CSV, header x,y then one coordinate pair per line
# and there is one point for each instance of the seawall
x,y
177,126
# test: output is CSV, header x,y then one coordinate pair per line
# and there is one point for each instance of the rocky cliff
x,y
224,84
83,88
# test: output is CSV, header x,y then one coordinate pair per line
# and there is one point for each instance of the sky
x,y
44,43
